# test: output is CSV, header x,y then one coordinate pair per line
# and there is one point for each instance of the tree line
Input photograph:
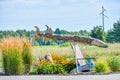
x,y
111,36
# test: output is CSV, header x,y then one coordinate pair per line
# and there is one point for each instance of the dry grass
x,y
11,49
88,51
92,51
43,50
27,54
16,54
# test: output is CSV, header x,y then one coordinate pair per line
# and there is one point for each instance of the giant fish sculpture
x,y
78,39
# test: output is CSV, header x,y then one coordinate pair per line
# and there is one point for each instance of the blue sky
x,y
72,15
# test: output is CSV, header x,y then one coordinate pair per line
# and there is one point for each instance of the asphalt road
x,y
63,77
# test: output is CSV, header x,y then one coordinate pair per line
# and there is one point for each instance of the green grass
x,y
43,50
88,51
1,63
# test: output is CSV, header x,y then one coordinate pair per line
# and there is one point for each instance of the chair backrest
x,y
79,57
78,54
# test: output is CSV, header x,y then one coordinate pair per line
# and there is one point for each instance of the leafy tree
x,y
57,31
98,33
84,33
114,34
116,31
64,32
110,36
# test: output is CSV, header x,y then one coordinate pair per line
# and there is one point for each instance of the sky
x,y
71,15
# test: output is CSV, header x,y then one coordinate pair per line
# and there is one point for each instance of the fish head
x,y
99,43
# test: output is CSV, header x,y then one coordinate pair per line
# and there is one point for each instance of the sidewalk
x,y
62,77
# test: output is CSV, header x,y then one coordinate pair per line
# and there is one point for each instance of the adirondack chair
x,y
81,64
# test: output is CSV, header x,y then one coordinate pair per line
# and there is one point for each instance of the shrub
x,y
11,52
70,65
34,71
59,59
27,55
51,69
101,65
114,63
42,62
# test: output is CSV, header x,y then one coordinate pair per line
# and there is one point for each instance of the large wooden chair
x,y
82,64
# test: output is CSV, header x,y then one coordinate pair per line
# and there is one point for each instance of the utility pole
x,y
103,16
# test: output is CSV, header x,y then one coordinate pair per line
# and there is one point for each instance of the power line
x,y
103,16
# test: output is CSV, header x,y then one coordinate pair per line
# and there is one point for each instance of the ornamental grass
x,y
27,54
11,53
16,54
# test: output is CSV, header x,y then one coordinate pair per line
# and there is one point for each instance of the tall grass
x,y
88,51
11,52
27,54
43,50
16,54
1,63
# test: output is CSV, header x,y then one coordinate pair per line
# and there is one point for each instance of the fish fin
x,y
49,31
37,30
37,37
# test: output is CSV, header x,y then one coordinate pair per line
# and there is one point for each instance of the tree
x,y
57,31
116,31
98,33
110,36
83,33
114,34
54,42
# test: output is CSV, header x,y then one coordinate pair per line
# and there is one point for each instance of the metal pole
x,y
103,17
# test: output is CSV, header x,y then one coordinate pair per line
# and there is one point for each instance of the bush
x,y
101,65
70,65
114,63
34,71
51,69
42,62
12,58
27,55
59,59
